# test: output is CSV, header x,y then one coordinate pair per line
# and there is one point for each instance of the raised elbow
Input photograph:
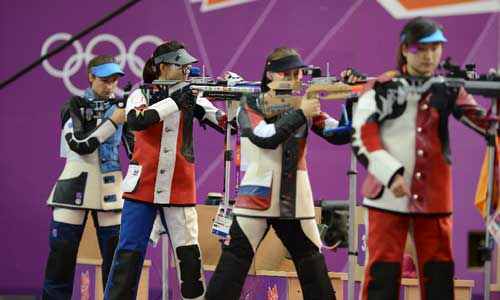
x,y
82,147
142,120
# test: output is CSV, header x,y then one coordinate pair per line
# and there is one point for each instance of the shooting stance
x,y
161,174
275,190
401,137
92,127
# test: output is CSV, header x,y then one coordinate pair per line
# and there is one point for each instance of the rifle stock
x,y
282,98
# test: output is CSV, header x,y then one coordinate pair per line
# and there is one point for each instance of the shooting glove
x,y
222,120
360,75
184,98
158,95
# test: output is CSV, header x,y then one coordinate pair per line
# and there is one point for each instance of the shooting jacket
x,y
407,134
162,167
92,177
276,182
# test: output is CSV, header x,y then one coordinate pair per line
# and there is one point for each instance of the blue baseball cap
x,y
106,70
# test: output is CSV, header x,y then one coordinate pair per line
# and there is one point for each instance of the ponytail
x,y
149,71
401,60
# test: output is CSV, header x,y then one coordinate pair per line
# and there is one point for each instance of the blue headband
x,y
435,37
106,70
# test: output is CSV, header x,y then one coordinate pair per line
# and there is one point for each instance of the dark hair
x,y
413,31
151,71
277,53
100,60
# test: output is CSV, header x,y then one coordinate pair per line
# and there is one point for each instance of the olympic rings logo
x,y
74,62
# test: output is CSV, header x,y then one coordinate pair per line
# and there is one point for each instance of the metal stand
x,y
353,230
490,87
164,269
228,157
349,205
488,241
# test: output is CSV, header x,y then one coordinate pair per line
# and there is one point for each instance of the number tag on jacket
x,y
130,182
